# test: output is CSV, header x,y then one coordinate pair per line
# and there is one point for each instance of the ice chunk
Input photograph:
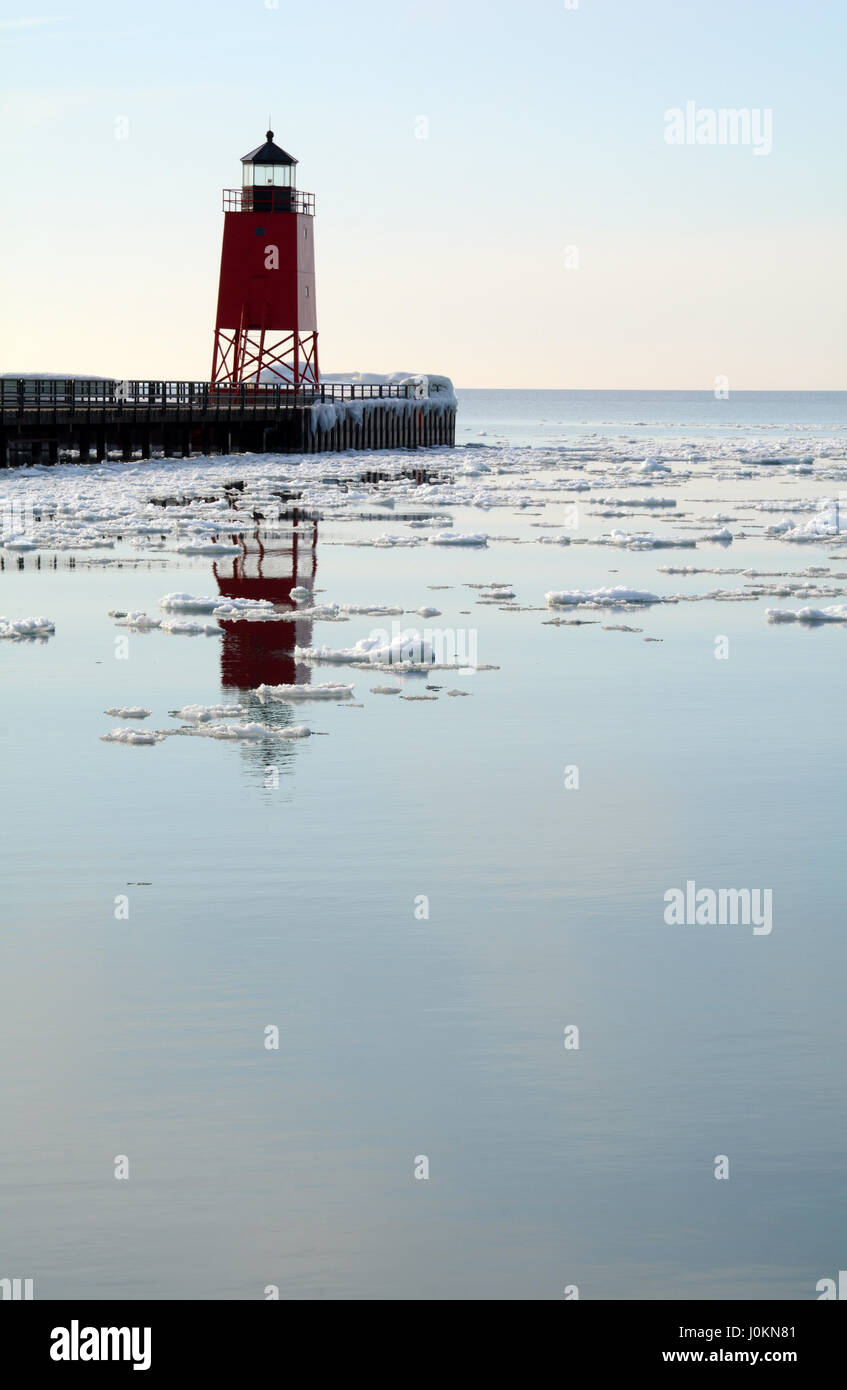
x,y
600,598
834,613
229,612
234,731
194,603
21,544
133,736
406,646
128,712
248,732
204,713
646,540
141,622
205,548
327,691
370,610
478,538
183,627
824,525
26,627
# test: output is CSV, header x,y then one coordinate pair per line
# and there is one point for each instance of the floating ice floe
x,y
639,502
248,732
205,713
183,627
790,504
599,598
405,654
133,736
834,613
128,712
366,610
21,544
824,525
140,622
327,691
654,465
322,612
14,628
204,548
478,538
230,612
300,592
339,612
646,540
386,689
194,603
405,647
711,569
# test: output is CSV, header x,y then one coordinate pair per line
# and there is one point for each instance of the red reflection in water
x,y
267,567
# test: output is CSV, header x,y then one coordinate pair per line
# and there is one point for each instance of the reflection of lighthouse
x,y
267,567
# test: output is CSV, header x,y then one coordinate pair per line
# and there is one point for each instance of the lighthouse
x,y
266,321
264,394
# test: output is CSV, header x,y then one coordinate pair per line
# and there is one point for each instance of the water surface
x,y
288,898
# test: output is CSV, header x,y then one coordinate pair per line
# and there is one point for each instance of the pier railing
x,y
53,396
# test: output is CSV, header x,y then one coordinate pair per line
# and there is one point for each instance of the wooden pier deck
x,y
43,418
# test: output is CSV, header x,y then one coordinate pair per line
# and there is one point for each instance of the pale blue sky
x,y
445,254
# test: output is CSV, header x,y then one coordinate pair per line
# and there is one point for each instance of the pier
x,y
43,419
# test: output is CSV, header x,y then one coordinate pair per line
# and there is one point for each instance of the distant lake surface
x,y
537,417
274,974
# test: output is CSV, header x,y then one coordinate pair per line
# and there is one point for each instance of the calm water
x,y
288,900
548,417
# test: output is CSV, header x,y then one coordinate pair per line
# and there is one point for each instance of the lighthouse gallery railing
x,y
268,198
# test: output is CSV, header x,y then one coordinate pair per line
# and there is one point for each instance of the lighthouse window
x,y
306,291
265,175
305,232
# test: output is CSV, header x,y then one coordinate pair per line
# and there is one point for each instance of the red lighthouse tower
x,y
266,320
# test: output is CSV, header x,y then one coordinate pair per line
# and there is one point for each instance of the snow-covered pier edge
x,y
425,417
45,419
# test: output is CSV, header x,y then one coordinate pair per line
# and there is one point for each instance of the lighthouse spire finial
x,y
269,132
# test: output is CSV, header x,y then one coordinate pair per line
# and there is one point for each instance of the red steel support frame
x,y
241,353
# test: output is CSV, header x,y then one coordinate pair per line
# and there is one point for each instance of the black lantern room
x,y
269,178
